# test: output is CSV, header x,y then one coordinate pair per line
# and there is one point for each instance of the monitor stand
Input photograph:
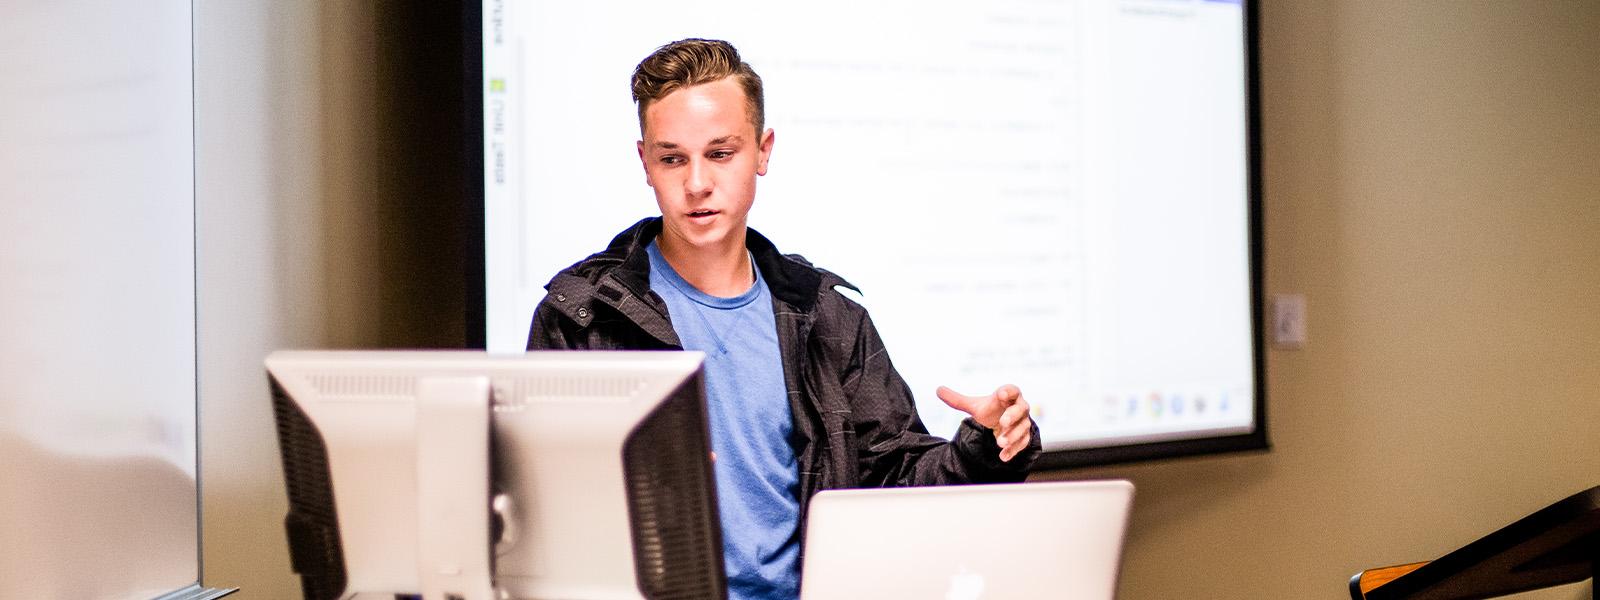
x,y
453,554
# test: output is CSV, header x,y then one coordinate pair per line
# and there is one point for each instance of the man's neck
x,y
723,271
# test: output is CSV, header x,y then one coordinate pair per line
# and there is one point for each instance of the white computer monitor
x,y
555,474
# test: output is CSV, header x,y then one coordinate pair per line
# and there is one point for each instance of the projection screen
x,y
1056,194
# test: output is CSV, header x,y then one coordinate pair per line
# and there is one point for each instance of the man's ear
x,y
642,164
766,151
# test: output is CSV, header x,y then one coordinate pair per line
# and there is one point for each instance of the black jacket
x,y
855,424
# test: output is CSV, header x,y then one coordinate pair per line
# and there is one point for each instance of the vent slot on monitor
x,y
312,525
363,387
515,393
677,537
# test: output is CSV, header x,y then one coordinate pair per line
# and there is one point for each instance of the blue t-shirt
x,y
757,475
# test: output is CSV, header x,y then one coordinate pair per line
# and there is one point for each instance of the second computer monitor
x,y
599,473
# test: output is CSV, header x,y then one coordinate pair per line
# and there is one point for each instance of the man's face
x,y
702,156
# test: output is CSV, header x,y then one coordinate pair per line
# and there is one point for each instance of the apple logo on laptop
x,y
965,585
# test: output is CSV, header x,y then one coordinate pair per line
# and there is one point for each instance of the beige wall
x,y
257,174
1431,185
324,221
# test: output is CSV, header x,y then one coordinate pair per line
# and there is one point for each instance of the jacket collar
x,y
790,277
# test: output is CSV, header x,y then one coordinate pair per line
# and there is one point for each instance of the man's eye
x,y
671,160
720,154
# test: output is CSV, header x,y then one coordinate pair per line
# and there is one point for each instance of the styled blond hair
x,y
691,62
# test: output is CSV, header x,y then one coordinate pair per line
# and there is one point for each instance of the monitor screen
x,y
1060,195
598,447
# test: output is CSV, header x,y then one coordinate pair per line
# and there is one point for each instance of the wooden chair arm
x,y
1369,579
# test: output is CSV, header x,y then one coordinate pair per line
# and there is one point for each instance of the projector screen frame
x,y
1256,440
477,317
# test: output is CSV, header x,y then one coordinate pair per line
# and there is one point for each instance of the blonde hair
x,y
691,62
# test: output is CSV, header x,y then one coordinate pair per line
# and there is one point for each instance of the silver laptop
x,y
1027,540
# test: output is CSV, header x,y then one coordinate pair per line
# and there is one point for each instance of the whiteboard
x,y
97,295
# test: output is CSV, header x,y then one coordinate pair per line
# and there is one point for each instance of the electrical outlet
x,y
1289,321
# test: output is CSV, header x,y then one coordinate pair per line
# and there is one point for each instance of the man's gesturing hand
x,y
1004,411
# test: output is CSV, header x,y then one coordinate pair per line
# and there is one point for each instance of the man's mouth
x,y
704,212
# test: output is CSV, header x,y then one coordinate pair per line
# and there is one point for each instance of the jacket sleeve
x,y
895,448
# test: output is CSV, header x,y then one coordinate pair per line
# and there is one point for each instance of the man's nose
x,y
699,181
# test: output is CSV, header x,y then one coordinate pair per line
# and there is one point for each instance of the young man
x,y
801,394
